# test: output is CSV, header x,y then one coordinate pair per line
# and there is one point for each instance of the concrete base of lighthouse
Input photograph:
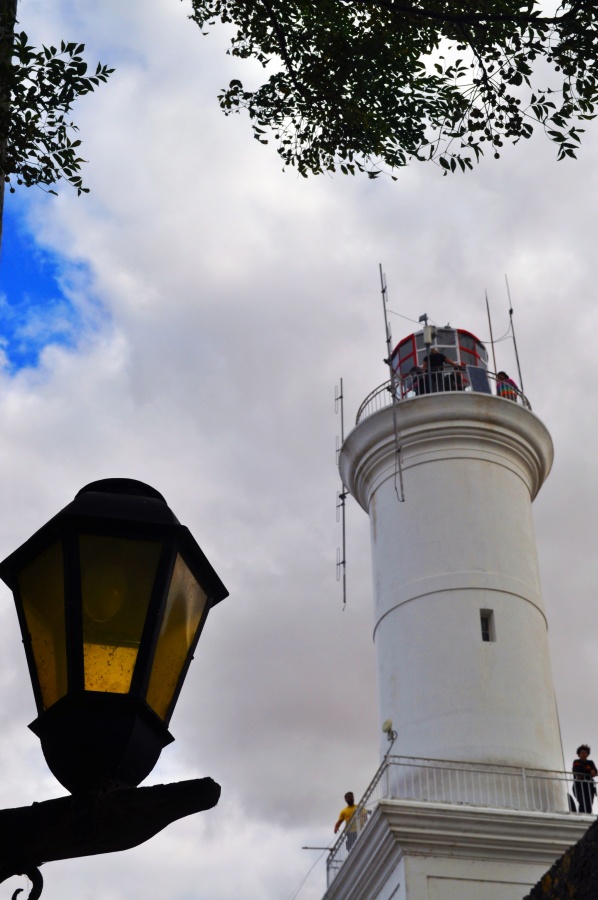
x,y
429,851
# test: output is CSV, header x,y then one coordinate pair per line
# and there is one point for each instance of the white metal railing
x,y
447,381
462,784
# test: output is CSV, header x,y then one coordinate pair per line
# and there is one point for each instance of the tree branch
x,y
462,18
8,17
279,31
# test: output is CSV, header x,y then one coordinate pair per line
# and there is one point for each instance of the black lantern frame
x,y
97,740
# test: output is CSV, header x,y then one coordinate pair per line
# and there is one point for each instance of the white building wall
x,y
463,541
441,879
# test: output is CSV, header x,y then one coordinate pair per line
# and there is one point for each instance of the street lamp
x,y
112,595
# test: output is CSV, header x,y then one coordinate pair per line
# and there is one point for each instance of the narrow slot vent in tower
x,y
487,623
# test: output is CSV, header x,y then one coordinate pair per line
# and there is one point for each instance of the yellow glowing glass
x,y
184,609
117,577
41,585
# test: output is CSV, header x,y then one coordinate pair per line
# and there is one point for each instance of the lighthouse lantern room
x,y
455,343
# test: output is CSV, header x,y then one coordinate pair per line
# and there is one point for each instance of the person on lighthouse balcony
x,y
584,772
345,816
434,378
506,387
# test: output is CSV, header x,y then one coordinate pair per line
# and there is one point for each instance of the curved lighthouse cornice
x,y
446,426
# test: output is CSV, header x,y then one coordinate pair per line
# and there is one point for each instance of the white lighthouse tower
x,y
471,800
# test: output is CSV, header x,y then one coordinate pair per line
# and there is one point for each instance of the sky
x,y
186,324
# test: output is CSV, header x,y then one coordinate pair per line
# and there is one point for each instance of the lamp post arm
x,y
87,825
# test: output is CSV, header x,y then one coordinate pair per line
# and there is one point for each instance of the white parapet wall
x,y
460,628
426,851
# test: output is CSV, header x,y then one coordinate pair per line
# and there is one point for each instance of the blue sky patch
x,y
34,310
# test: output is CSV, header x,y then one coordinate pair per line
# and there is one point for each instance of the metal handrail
x,y
465,784
448,381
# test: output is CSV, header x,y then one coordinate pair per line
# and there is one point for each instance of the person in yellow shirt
x,y
344,816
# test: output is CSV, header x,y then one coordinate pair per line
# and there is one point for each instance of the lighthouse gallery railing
x,y
457,783
412,387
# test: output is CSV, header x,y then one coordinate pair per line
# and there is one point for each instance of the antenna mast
x,y
394,387
513,330
341,497
491,335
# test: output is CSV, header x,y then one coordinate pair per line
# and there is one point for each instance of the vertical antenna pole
x,y
394,386
491,335
341,497
383,291
513,330
341,554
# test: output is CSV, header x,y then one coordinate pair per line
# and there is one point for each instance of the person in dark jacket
x,y
434,378
584,772
414,381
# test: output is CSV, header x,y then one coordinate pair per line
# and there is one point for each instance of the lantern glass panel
x,y
117,578
185,607
41,586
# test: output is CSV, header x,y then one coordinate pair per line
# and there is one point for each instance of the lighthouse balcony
x,y
469,379
462,784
